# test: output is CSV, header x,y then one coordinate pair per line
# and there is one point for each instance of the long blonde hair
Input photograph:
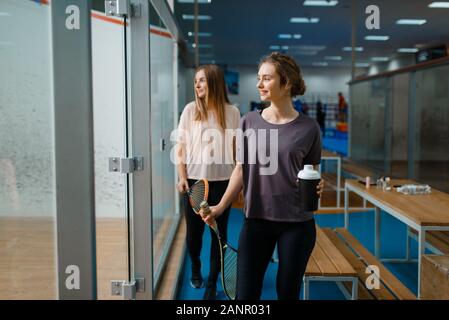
x,y
216,96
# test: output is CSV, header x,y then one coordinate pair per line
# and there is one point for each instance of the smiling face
x,y
269,83
201,84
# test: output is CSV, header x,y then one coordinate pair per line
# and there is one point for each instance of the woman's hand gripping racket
x,y
198,194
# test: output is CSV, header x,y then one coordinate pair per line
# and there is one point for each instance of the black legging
x,y
258,238
195,228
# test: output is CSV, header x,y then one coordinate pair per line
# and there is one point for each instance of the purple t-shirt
x,y
271,157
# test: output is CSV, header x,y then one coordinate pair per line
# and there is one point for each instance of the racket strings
x,y
230,272
197,194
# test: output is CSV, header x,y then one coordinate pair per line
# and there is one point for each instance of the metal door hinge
x,y
125,165
127,289
120,8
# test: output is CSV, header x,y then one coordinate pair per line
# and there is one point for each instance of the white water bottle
x,y
414,189
308,182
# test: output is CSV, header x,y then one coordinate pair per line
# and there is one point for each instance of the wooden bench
x,y
390,288
327,264
437,241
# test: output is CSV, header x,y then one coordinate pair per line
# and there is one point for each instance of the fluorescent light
x,y
362,65
358,49
408,50
333,58
380,59
306,53
439,4
320,64
275,47
284,36
285,47
193,1
200,34
192,17
297,36
310,47
304,20
377,38
202,46
417,22
321,3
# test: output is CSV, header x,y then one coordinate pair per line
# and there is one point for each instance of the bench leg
x,y
346,208
338,182
421,250
407,245
355,289
306,288
377,233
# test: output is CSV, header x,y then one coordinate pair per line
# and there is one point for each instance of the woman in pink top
x,y
207,126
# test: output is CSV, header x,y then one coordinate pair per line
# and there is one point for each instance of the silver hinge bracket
x,y
121,8
127,289
125,165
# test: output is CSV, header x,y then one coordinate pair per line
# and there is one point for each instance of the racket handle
x,y
205,207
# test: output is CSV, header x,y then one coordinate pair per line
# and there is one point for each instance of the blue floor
x,y
361,226
337,145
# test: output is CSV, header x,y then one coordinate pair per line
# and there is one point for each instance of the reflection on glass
x,y
431,151
368,122
27,192
109,138
400,109
162,47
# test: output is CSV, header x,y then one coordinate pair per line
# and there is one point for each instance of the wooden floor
x,y
28,261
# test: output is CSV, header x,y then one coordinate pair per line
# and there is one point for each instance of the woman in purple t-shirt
x,y
277,143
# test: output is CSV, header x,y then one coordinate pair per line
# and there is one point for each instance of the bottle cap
x,y
308,173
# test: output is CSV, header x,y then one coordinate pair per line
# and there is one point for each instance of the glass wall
x,y
368,123
163,109
27,191
431,143
383,119
108,77
399,126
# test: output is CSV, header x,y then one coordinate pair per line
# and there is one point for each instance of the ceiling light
x,y
408,50
202,46
275,47
380,59
358,49
306,53
321,3
309,47
200,34
362,65
284,36
377,38
439,4
192,17
417,22
304,20
297,36
333,58
320,64
284,47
